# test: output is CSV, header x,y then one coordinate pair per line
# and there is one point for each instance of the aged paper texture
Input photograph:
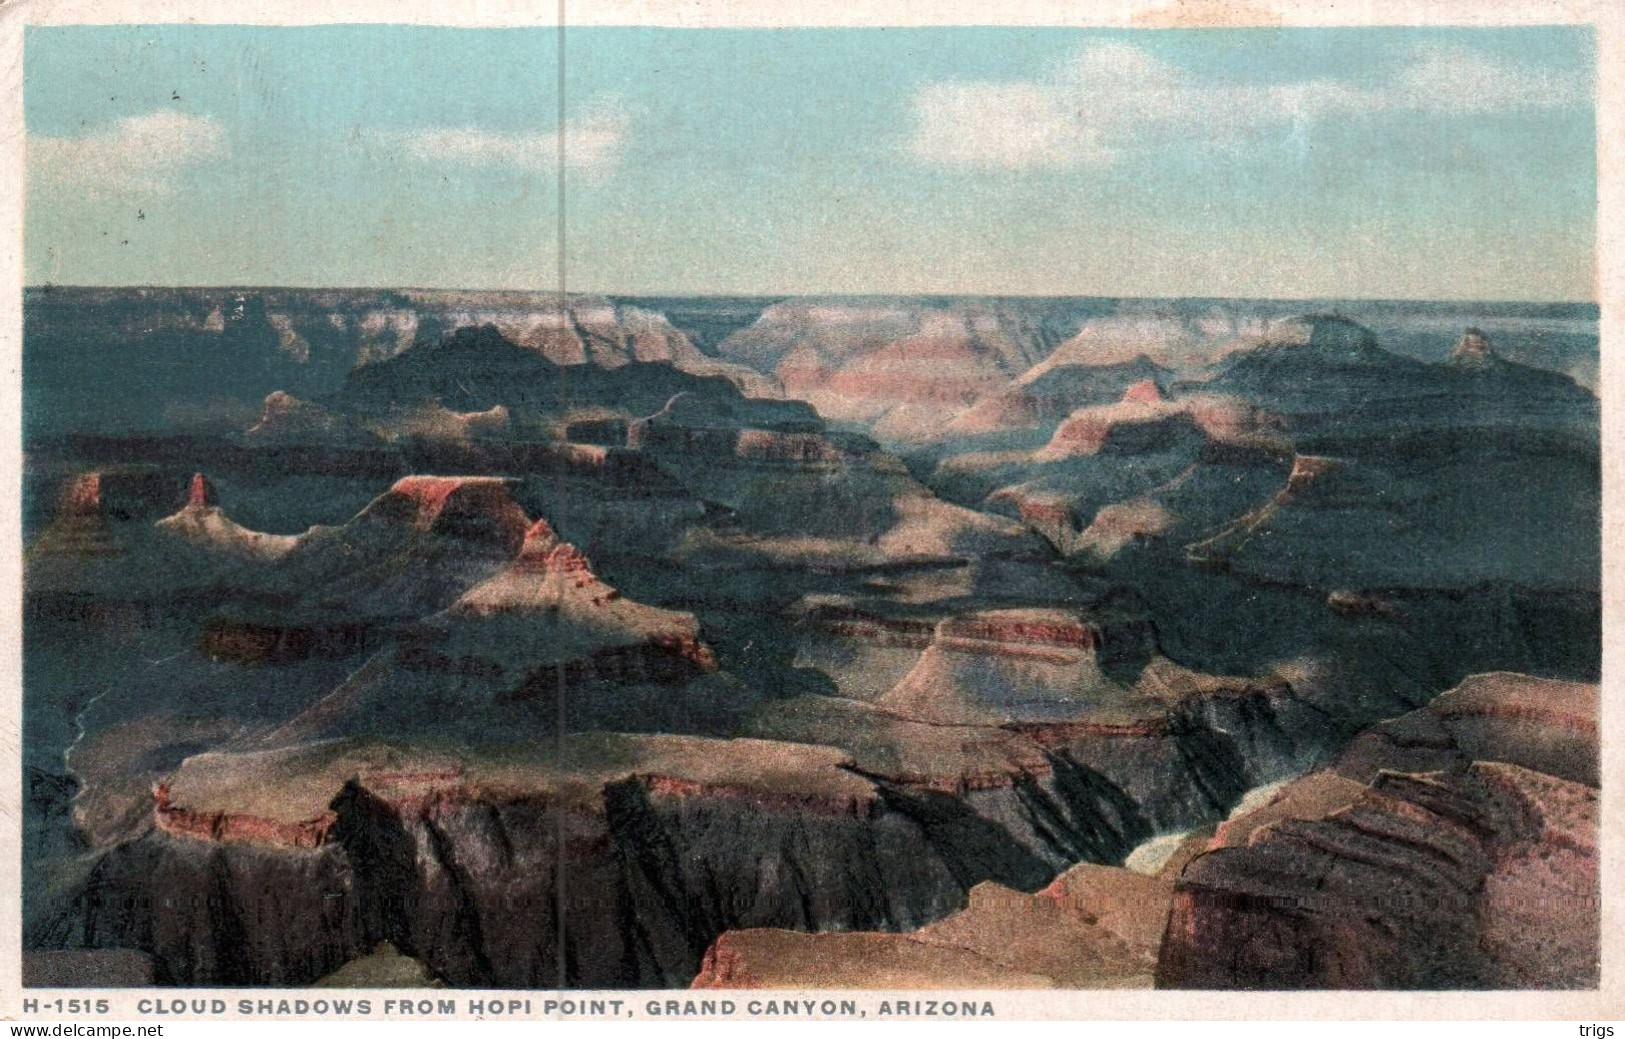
x,y
615,510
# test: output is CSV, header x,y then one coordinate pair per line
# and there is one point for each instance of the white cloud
x,y
592,142
1003,124
1111,97
1460,80
136,154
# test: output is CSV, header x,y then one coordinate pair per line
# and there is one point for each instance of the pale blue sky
x,y
1291,163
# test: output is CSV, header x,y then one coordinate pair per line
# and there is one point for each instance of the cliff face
x,y
1142,467
1482,879
210,912
628,856
465,874
1455,847
1433,854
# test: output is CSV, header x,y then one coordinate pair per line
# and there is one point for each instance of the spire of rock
x,y
1472,348
201,494
83,495
539,539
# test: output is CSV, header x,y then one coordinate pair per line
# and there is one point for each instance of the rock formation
x,y
1433,854
1093,927
202,523
895,368
1473,348
939,670
1455,847
1047,393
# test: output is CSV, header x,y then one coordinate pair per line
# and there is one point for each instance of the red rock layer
x,y
248,643
476,507
231,828
846,622
1144,392
534,552
723,967
1473,346
1017,632
1044,511
1051,735
669,659
200,495
768,800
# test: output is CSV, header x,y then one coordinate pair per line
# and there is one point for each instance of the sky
x,y
1287,163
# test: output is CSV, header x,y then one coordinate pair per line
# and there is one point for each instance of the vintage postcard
x,y
742,510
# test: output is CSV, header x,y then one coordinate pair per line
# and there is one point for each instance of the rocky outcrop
x,y
1094,927
455,860
202,524
1130,427
1046,394
238,828
540,627
694,428
107,552
1010,666
1225,429
384,967
1117,526
895,368
1146,391
1455,847
542,624
284,417
1425,881
1480,872
411,551
432,422
475,508
208,912
1472,349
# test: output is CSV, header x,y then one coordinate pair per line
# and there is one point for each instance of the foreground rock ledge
x,y
1453,847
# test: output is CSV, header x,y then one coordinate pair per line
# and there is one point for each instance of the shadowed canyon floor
x,y
476,639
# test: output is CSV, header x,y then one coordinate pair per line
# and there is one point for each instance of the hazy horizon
x,y
46,287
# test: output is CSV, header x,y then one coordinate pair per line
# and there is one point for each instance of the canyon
x,y
499,641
